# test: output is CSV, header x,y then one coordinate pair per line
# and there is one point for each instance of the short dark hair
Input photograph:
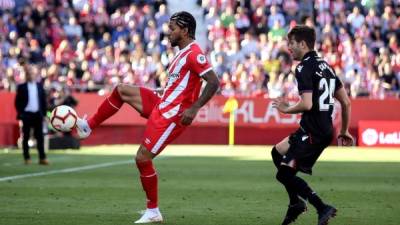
x,y
185,20
303,33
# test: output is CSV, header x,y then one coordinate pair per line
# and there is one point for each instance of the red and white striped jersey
x,y
184,80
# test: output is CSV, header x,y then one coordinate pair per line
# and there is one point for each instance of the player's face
x,y
174,34
295,49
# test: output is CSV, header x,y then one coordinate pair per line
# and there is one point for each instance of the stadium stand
x,y
91,45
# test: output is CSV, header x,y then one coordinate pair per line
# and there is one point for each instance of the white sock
x,y
154,210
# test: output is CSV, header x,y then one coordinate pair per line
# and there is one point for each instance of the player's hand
x,y
280,104
345,139
188,116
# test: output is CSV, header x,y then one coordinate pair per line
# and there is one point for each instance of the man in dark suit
x,y
31,106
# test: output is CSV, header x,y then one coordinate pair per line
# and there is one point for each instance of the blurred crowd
x,y
92,45
360,39
83,45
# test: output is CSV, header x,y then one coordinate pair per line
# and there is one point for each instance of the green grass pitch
x,y
199,185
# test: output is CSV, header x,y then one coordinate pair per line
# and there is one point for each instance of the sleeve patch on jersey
x,y
201,59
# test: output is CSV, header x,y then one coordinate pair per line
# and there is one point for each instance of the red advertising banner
x,y
251,112
257,122
379,133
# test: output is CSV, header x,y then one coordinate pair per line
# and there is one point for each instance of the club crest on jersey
x,y
201,59
299,68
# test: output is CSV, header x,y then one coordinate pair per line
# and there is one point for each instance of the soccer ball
x,y
63,118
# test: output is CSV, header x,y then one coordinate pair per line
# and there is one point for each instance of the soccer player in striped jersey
x,y
169,114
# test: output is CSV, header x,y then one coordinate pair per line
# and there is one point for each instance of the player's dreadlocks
x,y
185,20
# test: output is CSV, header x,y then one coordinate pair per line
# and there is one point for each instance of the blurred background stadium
x,y
82,48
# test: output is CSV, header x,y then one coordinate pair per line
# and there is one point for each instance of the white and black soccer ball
x,y
63,118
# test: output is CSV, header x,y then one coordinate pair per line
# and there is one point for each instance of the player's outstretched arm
x,y
209,91
344,136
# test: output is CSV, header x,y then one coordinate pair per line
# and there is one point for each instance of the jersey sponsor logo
x,y
299,68
172,77
201,59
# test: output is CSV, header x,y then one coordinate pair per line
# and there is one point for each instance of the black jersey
x,y
313,74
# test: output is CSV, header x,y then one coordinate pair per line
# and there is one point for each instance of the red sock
x,y
108,107
149,179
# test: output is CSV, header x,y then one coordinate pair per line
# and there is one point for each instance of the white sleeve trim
x,y
205,71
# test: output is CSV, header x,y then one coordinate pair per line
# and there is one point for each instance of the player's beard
x,y
174,42
296,55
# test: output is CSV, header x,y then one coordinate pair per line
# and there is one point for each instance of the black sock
x,y
293,197
307,193
316,201
287,176
287,172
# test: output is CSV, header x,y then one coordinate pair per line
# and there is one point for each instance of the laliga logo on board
x,y
370,136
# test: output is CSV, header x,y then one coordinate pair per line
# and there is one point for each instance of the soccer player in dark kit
x,y
318,87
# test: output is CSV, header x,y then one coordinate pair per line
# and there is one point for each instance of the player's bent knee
x,y
276,157
127,92
143,155
122,89
285,174
281,177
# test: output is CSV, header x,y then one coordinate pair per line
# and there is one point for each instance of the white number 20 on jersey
x,y
327,93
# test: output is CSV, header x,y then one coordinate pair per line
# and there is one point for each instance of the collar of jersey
x,y
187,47
309,54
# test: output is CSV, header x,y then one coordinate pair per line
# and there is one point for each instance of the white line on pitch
x,y
68,170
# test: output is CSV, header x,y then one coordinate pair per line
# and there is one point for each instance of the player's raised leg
x,y
149,180
122,93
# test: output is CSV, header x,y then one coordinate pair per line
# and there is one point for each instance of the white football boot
x,y
82,128
151,216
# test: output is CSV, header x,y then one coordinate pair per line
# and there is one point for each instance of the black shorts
x,y
305,149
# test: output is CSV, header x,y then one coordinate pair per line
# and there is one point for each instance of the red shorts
x,y
149,100
159,131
